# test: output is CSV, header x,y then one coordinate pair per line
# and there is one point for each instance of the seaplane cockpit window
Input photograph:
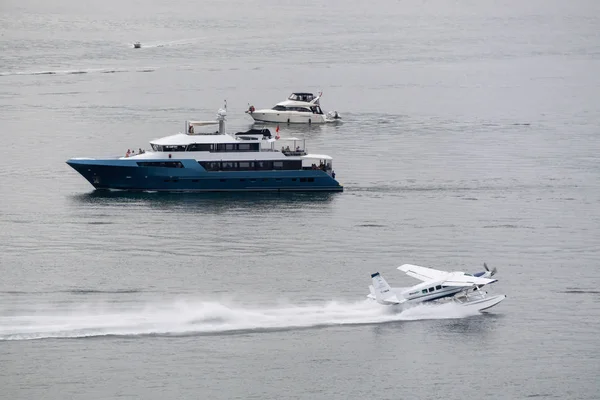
x,y
424,291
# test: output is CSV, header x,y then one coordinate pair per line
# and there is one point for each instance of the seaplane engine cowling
x,y
492,272
487,273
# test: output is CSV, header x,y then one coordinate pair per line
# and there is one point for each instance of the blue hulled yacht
x,y
214,161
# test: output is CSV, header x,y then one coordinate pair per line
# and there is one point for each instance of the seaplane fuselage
x,y
436,285
429,291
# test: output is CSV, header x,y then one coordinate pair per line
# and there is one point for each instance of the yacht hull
x,y
126,174
288,117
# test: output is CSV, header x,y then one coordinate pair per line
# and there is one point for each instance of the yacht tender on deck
x,y
299,108
214,161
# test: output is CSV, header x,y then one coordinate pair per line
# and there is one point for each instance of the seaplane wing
x,y
461,279
423,273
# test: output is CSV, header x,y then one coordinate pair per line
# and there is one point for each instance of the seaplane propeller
x,y
492,272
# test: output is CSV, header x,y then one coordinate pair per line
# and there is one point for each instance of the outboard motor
x,y
333,115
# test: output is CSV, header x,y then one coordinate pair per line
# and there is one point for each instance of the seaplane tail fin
x,y
382,291
371,292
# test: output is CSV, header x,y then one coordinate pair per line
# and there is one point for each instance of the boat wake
x,y
186,318
79,71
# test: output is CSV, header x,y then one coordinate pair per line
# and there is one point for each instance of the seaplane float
x,y
437,285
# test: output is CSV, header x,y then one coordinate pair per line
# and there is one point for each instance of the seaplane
x,y
436,285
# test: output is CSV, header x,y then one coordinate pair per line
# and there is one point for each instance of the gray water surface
x,y
470,133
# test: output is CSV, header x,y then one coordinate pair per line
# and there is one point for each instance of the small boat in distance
x,y
214,161
299,108
137,45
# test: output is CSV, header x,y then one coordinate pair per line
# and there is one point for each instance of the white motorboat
x,y
299,108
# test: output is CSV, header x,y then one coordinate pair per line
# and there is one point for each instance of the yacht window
x,y
279,108
244,146
210,166
173,148
292,164
198,147
264,165
229,147
248,166
161,164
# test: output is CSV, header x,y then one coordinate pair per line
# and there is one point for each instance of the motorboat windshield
x,y
307,97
